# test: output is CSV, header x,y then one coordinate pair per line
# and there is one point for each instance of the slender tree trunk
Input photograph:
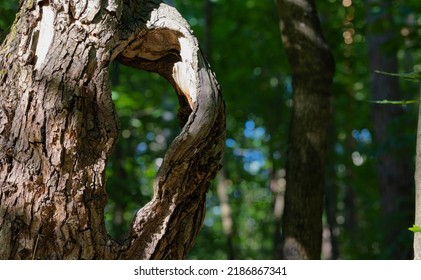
x,y
226,215
331,201
331,224
207,30
222,185
312,69
277,186
393,161
58,126
417,235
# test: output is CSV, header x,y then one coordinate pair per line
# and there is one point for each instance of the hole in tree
x,y
147,108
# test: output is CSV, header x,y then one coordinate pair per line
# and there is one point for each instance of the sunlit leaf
x,y
398,102
413,76
415,228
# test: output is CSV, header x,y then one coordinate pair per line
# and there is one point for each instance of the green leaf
x,y
415,228
413,76
398,102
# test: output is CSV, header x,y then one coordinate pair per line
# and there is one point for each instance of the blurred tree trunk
x,y
277,186
222,181
207,29
58,126
330,248
393,159
312,69
226,215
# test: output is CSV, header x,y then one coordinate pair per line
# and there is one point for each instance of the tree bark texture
x,y
392,161
312,69
58,126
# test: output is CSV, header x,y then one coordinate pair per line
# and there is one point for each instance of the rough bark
x,y
312,69
392,161
58,126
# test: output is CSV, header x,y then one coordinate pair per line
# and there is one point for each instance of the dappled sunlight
x,y
294,250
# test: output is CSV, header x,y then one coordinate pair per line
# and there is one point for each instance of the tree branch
x,y
167,226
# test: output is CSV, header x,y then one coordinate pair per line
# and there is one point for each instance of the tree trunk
x,y
226,214
312,69
58,126
392,161
277,186
417,235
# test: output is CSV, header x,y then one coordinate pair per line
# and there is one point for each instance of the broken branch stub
x,y
168,225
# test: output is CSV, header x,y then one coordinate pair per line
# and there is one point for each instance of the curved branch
x,y
168,225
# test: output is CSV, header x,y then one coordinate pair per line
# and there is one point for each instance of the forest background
x,y
241,38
